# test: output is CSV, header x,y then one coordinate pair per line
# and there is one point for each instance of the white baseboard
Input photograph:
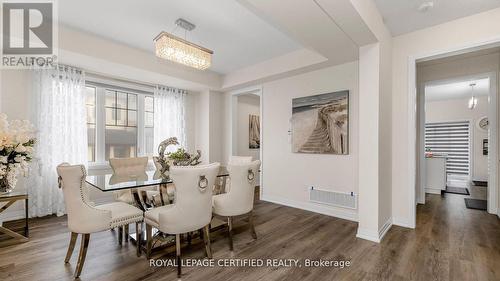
x,y
433,191
385,228
375,236
368,234
401,222
351,215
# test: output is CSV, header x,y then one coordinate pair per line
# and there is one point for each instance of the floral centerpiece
x,y
16,150
182,158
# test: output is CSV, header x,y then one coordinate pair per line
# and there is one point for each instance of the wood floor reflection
x,y
449,243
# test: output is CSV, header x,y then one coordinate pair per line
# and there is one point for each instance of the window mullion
x,y
100,125
141,143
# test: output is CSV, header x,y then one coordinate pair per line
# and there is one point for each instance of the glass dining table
x,y
109,182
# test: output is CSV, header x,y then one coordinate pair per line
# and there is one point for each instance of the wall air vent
x,y
333,198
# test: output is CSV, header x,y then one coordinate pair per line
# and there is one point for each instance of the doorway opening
x,y
246,129
456,128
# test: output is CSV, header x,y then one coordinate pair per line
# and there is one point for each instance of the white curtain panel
x,y
59,115
169,116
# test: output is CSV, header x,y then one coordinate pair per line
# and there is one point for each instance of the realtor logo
x,y
28,34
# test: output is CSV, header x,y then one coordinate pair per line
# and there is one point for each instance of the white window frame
x,y
100,126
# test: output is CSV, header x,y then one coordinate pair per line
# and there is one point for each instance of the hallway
x,y
456,243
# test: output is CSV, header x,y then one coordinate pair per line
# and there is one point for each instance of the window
x,y
452,139
120,123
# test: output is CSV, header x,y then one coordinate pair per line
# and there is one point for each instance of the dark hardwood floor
x,y
449,243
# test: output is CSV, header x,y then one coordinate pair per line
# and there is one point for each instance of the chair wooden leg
x,y
149,240
120,235
138,236
189,238
230,228
83,253
252,226
125,234
178,254
71,246
206,238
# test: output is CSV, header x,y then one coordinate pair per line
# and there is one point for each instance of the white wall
x,y
247,105
456,110
287,176
454,35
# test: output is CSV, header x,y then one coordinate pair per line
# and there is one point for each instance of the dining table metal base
x,y
163,241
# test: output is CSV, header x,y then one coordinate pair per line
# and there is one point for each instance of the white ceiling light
x,y
426,6
173,48
473,99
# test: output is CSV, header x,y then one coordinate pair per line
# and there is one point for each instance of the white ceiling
x,y
237,36
456,90
402,16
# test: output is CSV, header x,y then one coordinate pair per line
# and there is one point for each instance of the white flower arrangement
x,y
16,150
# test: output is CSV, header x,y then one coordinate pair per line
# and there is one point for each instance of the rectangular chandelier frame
x,y
201,60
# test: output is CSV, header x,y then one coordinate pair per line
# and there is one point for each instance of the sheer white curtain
x,y
60,117
169,116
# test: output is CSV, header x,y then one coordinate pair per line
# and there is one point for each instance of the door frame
x,y
492,114
412,129
233,128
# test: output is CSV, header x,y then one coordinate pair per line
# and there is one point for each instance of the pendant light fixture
x,y
473,99
176,49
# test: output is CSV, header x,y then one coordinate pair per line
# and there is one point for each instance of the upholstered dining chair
x,y
127,167
223,184
191,211
84,218
239,200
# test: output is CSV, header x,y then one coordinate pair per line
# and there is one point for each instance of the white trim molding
x,y
346,214
375,236
401,222
433,191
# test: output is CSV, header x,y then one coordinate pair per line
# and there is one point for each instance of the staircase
x,y
319,140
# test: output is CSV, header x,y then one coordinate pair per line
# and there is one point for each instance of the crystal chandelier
x,y
173,48
473,99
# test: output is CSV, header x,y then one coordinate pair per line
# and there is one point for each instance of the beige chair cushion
x,y
152,217
122,213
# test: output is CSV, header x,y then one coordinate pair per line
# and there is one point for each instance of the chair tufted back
x,y
239,200
129,166
193,205
82,217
